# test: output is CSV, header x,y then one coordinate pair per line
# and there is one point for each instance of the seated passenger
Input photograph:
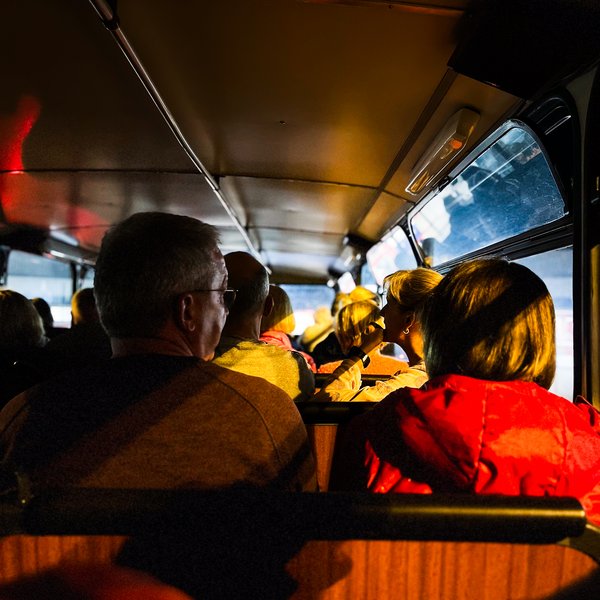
x,y
21,338
326,348
322,326
329,349
407,292
276,327
86,342
45,312
352,323
158,414
485,423
240,348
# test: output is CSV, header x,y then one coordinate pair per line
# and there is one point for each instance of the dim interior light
x,y
446,145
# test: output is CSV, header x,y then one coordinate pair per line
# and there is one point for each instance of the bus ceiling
x,y
290,125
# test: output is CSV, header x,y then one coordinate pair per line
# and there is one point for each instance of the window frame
x,y
551,233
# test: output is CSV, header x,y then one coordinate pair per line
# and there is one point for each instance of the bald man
x,y
240,348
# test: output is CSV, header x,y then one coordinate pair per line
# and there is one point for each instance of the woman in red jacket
x,y
485,423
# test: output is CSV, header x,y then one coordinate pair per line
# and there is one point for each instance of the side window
x,y
393,253
37,276
88,279
555,268
507,190
367,278
305,300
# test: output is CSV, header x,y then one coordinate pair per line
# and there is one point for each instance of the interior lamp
x,y
448,143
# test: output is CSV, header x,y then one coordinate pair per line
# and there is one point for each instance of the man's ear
x,y
268,307
185,309
409,320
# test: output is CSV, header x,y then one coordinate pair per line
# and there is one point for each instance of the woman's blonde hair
x,y
362,293
491,319
410,289
352,321
21,327
281,317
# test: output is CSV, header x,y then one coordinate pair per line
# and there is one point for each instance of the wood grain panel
x,y
26,555
369,570
322,441
375,570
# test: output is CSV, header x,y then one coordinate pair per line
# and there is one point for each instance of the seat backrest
x,y
367,569
22,555
322,440
333,545
323,421
404,570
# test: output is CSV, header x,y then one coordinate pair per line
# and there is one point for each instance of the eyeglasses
x,y
228,295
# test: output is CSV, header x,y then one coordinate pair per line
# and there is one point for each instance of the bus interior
x,y
335,140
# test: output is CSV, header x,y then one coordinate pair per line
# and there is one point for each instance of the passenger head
x,y
145,265
21,327
251,280
340,300
491,319
362,293
319,330
83,307
352,322
407,292
281,317
45,312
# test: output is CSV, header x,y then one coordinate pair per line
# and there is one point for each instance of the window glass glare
x,y
555,268
367,278
346,282
392,254
88,279
305,300
508,190
37,276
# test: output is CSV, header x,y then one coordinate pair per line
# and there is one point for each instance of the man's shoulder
x,y
248,387
109,378
246,347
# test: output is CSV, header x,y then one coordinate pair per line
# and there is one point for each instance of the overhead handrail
x,y
110,19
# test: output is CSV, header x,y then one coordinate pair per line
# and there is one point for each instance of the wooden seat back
x,y
334,545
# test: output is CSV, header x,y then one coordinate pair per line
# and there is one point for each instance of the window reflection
x,y
392,254
507,190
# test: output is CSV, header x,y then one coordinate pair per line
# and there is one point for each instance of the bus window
x,y
507,190
393,253
555,268
305,300
367,278
37,276
88,279
346,282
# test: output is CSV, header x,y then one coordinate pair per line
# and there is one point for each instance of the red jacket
x,y
459,434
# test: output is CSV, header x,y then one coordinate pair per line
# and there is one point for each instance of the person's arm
x,y
345,382
411,377
306,378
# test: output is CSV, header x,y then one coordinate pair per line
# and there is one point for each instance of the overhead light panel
x,y
449,142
